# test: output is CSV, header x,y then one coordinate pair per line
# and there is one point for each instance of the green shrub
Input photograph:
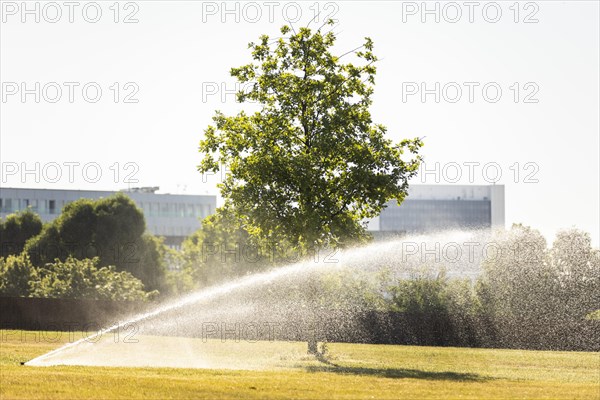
x,y
111,229
83,279
16,274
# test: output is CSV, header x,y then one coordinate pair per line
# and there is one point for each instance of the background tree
x,y
578,270
446,306
147,262
119,231
111,229
16,229
518,287
577,291
311,164
222,249
426,292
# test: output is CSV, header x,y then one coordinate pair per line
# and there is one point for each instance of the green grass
x,y
352,371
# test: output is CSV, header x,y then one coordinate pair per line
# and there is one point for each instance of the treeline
x,y
106,244
95,249
527,294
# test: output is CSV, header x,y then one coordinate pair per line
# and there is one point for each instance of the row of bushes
x,y
107,236
532,297
72,279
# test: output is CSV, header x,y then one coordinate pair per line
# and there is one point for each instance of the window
x,y
189,210
52,206
42,206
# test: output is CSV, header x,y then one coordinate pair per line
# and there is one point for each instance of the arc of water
x,y
190,299
354,255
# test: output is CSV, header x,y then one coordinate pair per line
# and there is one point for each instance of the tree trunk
x,y
312,318
312,346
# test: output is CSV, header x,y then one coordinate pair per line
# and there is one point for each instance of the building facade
x,y
427,208
173,216
431,208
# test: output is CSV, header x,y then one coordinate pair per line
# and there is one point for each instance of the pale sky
x,y
541,131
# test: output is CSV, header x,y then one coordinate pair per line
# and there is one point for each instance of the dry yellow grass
x,y
353,371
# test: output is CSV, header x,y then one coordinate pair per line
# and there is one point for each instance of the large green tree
x,y
310,165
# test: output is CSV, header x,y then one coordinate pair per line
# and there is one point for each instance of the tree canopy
x,y
16,229
111,229
311,165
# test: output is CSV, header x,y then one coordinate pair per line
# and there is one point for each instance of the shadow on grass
x,y
397,373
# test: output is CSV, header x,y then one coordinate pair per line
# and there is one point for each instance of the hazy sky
x,y
494,87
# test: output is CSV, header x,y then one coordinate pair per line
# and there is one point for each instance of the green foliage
x,y
46,246
577,266
311,164
535,296
350,290
449,304
16,273
72,278
179,282
222,249
111,229
148,263
16,229
516,275
84,279
421,294
205,252
178,278
119,227
524,277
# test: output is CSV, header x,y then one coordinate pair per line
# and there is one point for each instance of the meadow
x,y
350,371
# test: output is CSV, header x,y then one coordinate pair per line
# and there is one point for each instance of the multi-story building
x,y
430,208
427,208
173,216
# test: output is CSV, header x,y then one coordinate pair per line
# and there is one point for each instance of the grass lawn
x,y
281,370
